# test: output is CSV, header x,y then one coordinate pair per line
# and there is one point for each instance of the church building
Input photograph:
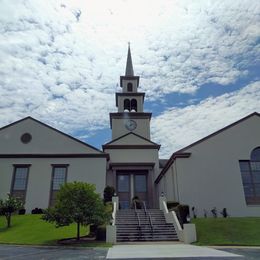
x,y
219,171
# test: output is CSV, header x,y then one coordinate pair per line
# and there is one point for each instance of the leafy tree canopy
x,y
77,202
9,206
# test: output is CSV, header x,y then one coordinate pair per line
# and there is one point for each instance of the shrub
x,y
109,192
172,204
182,212
136,201
37,211
21,212
101,233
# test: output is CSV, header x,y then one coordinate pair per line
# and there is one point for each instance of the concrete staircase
x,y
137,226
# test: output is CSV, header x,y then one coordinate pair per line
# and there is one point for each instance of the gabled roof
x,y
218,132
162,162
52,128
148,144
182,154
169,163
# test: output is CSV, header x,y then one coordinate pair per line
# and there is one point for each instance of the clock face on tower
x,y
130,125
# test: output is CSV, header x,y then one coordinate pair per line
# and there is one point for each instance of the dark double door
x,y
129,185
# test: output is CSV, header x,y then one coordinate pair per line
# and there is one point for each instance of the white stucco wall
x,y
49,143
44,140
211,176
119,129
136,156
91,170
131,139
125,82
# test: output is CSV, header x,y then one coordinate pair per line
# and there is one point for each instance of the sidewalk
x,y
167,251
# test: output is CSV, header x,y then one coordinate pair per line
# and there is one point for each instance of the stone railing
x,y
187,234
111,229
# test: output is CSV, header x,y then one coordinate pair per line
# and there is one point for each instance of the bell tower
x,y
130,116
133,158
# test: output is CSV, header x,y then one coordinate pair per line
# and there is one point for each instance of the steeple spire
x,y
129,71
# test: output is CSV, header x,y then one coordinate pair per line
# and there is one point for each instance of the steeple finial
x,y
129,71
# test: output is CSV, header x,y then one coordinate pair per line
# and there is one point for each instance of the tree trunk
x,y
78,231
8,218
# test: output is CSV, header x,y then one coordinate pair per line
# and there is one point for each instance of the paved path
x,y
168,251
140,251
250,253
50,253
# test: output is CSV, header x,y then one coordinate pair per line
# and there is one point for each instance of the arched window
x,y
250,172
126,105
133,105
129,87
255,154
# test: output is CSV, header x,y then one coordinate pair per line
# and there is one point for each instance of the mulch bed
x,y
74,241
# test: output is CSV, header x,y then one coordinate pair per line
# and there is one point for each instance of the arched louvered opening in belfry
x,y
255,155
130,87
126,105
133,105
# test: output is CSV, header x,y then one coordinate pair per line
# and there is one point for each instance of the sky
x,y
198,62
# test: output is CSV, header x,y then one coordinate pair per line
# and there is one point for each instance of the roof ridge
x,y
52,128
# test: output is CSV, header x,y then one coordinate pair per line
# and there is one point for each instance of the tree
x,y
9,206
77,202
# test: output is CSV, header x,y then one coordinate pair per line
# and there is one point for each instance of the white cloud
x,y
179,127
61,60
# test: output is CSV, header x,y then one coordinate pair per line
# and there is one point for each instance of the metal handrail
x,y
149,216
138,219
145,210
151,223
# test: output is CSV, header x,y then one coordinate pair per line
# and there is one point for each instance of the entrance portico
x,y
132,180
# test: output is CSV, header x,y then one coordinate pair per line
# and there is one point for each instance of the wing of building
x,y
36,158
222,170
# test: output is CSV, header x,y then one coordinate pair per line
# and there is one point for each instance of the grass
x,y
228,231
31,230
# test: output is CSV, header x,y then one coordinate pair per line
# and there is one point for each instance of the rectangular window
x,y
20,179
123,183
250,174
140,183
59,177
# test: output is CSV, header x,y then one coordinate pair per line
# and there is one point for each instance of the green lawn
x,y
31,230
228,231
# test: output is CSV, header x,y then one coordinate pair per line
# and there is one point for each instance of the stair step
x,y
128,229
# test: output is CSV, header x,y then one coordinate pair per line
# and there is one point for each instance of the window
x,y
129,87
123,183
133,105
250,172
127,105
20,179
26,138
255,154
59,177
140,183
